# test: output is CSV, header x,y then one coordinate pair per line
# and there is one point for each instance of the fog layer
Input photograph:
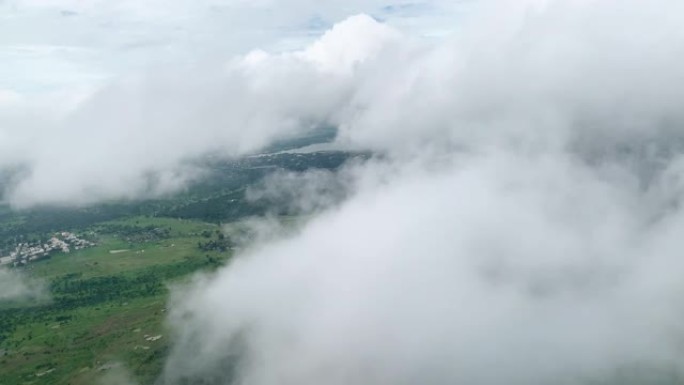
x,y
16,286
523,226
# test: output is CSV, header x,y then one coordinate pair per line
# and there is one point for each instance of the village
x,y
25,253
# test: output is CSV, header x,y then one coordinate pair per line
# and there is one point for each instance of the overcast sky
x,y
50,45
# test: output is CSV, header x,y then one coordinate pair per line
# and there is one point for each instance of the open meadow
x,y
107,303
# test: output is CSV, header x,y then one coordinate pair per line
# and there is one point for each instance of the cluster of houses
x,y
64,242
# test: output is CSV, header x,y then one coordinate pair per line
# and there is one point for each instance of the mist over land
x,y
515,217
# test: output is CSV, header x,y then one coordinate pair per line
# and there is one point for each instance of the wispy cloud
x,y
16,286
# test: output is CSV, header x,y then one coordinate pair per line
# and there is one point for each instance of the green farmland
x,y
108,303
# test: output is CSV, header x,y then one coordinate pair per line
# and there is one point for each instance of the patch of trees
x,y
218,197
136,234
221,197
222,243
72,291
225,207
70,294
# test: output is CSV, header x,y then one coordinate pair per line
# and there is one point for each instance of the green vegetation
x,y
107,303
219,197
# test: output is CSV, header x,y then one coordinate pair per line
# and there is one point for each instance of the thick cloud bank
x,y
524,226
136,137
587,76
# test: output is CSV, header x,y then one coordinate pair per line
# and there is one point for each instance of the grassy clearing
x,y
76,347
106,307
105,260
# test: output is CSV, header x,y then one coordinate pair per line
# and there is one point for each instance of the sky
x,y
524,215
47,46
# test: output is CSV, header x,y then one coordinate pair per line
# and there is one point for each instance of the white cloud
x,y
15,286
86,137
109,144
349,44
526,215
96,40
523,227
536,266
517,70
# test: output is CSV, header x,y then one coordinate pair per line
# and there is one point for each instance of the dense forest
x,y
219,197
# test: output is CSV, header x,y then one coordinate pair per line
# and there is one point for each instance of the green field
x,y
108,302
